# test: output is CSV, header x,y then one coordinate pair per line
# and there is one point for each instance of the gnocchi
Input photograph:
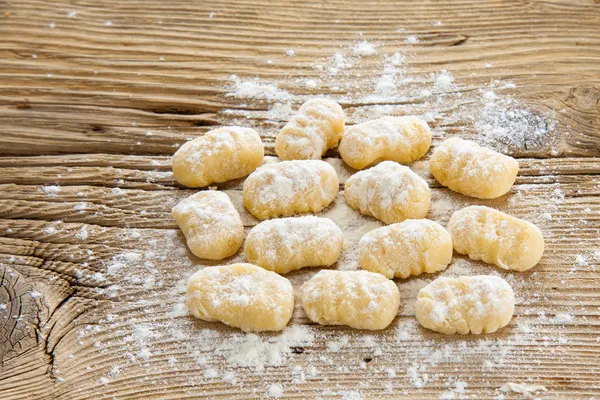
x,y
220,155
359,299
490,235
467,168
286,244
241,295
317,127
409,248
290,187
400,139
389,192
475,304
210,223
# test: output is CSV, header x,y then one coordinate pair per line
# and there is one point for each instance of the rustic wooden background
x,y
82,82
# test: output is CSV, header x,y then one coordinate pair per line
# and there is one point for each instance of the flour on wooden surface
x,y
364,48
371,82
256,89
50,230
411,39
222,353
275,390
507,127
443,80
51,191
527,390
83,233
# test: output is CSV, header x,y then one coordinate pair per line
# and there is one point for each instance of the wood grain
x,y
95,96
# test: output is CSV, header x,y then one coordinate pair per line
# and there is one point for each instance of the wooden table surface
x,y
95,96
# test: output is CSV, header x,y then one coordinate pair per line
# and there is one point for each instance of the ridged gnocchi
x,y
290,187
467,168
359,299
409,248
389,192
475,304
220,155
286,244
490,235
400,139
210,223
317,127
241,295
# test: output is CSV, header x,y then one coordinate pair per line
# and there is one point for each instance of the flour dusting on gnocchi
x,y
389,192
497,238
220,155
211,224
467,168
241,295
400,139
290,187
469,304
317,127
286,244
409,248
359,299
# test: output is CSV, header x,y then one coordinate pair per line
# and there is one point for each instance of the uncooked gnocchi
x,y
490,235
241,295
359,299
290,187
409,248
400,139
211,225
389,191
317,127
467,168
220,155
286,244
475,304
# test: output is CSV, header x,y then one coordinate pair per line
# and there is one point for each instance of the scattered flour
x,y
211,373
411,39
393,69
364,48
83,233
443,81
507,127
350,395
51,191
220,353
255,89
457,392
563,318
525,389
50,230
275,390
254,351
336,345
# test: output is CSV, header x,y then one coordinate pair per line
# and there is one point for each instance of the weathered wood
x,y
549,50
96,96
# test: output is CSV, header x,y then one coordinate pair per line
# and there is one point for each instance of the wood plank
x,y
556,75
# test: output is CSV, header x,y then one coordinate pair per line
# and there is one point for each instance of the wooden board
x,y
95,96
